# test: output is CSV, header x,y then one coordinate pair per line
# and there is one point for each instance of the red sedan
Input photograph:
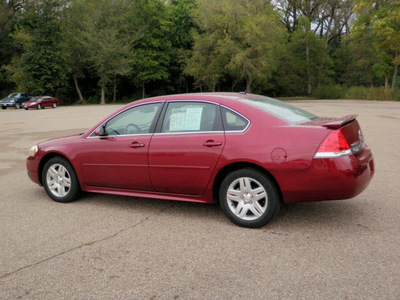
x,y
246,152
40,102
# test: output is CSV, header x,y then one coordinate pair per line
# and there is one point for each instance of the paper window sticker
x,y
193,118
177,119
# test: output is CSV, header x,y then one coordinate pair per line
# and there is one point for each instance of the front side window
x,y
136,120
190,117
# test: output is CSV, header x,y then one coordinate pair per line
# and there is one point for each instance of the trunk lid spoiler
x,y
331,123
339,122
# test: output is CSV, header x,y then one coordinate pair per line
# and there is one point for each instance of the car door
x,y
186,147
45,101
116,154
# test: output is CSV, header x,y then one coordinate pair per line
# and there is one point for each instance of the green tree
x,y
148,22
245,36
106,45
42,67
379,21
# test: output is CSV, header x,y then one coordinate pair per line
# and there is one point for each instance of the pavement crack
x,y
85,244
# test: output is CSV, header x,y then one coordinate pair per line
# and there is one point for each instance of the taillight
x,y
334,145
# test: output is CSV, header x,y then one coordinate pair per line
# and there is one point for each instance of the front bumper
x,y
8,104
32,166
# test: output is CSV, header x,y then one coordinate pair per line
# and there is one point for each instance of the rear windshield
x,y
282,110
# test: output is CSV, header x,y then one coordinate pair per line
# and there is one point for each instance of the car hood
x,y
29,102
60,141
8,99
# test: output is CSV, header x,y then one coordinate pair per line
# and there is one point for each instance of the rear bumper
x,y
331,178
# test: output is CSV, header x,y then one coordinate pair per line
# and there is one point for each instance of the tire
x,y
60,181
3,107
26,108
249,198
17,106
39,106
54,105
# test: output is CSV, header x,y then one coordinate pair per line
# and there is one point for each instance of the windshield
x,y
13,95
282,110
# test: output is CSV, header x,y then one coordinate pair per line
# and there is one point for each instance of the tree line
x,y
118,50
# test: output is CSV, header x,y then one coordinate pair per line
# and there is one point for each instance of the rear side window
x,y
282,110
233,121
190,117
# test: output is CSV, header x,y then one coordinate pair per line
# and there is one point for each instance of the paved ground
x,y
109,247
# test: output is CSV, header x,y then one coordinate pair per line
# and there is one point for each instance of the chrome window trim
x,y
188,132
119,135
90,135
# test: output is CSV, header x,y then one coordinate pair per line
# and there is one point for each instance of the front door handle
x,y
136,145
211,143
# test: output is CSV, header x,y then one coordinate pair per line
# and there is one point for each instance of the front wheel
x,y
60,181
39,106
249,198
17,106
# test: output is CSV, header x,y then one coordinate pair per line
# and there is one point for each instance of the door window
x,y
136,120
190,117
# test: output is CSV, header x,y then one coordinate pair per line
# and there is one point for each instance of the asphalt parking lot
x,y
113,247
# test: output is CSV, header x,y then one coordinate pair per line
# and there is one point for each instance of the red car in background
x,y
40,102
246,152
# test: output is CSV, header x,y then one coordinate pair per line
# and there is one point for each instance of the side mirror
x,y
100,131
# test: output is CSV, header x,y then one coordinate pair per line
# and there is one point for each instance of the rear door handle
x,y
136,145
211,143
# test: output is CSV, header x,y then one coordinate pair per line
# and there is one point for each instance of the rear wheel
x,y
60,181
248,198
54,105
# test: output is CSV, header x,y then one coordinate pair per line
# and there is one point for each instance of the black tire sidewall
x,y
273,198
75,189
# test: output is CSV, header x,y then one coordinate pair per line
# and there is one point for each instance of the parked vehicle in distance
x,y
246,152
14,100
40,102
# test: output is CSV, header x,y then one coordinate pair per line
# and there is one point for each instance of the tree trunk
x,y
115,89
396,68
103,96
386,81
309,89
248,85
143,90
78,90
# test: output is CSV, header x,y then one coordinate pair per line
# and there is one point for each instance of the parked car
x,y
40,102
14,100
246,152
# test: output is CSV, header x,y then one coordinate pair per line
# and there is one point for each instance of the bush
x,y
329,92
372,93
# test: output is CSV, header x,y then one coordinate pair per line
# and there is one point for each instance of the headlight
x,y
33,150
12,101
33,103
